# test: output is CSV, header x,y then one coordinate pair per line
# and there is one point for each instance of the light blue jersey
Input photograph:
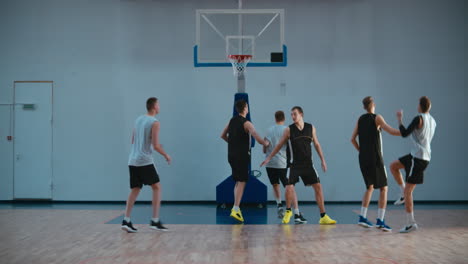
x,y
141,153
422,138
274,135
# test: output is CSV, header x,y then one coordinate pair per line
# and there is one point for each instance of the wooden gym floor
x,y
90,234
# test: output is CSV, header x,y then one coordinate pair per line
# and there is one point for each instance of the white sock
x,y
364,212
381,214
278,200
127,219
155,220
296,211
236,208
402,189
410,218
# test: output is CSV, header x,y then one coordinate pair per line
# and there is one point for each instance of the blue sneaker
x,y
382,226
364,222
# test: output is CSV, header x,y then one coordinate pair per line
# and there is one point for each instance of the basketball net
x,y
239,63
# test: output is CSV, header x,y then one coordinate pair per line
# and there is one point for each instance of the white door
x,y
6,151
33,140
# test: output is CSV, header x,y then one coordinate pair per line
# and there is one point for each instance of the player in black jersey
x,y
238,134
368,129
301,135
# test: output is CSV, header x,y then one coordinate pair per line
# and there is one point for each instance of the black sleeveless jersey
x,y
238,139
301,150
370,141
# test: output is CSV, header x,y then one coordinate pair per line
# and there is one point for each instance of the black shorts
x,y
240,170
308,175
276,175
414,168
140,175
374,175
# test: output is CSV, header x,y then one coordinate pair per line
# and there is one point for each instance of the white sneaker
x,y
409,228
400,201
280,212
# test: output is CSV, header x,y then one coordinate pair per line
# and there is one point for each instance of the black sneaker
x,y
299,219
158,226
127,226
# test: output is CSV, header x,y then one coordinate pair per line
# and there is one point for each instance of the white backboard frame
x,y
202,15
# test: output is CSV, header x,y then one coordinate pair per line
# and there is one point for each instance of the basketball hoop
x,y
239,63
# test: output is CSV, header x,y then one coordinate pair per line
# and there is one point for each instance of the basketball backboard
x,y
255,32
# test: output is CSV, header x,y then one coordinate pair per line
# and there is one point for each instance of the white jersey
x,y
422,138
141,153
274,135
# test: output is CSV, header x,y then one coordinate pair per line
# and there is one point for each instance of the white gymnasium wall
x,y
106,57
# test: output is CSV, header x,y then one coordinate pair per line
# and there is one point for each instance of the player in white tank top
x,y
141,152
422,137
145,138
422,130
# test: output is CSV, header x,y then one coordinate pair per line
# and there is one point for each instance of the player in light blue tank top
x,y
277,167
141,153
422,130
145,138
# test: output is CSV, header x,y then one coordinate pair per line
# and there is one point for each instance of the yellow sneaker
x,y
287,216
326,220
237,215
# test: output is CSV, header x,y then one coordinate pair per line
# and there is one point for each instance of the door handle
x,y
17,157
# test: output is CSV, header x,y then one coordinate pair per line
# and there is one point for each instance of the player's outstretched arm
x,y
380,122
264,147
416,123
248,126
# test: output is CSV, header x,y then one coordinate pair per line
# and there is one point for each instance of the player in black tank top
x,y
238,140
237,134
300,136
370,144
371,160
301,141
